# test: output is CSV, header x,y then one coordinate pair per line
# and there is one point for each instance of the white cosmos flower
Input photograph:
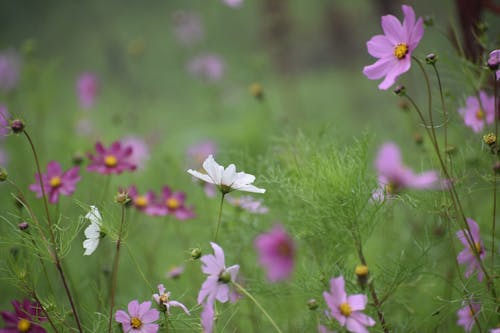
x,y
93,231
227,179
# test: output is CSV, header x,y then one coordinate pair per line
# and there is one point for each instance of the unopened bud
x,y
400,90
17,126
428,21
23,225
78,158
361,272
431,58
3,175
312,304
122,198
490,139
195,253
256,90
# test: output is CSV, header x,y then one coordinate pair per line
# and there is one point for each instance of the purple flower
x,y
173,203
394,176
208,67
187,27
467,255
140,318
10,67
163,299
494,62
466,315
140,151
87,88
276,253
25,318
175,272
248,203
233,3
347,309
56,182
145,203
207,318
216,286
394,48
114,159
478,112
4,121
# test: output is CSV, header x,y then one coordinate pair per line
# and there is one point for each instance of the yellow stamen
x,y
173,203
55,181
345,309
391,188
110,161
479,114
361,270
141,201
23,325
401,50
478,247
135,322
164,298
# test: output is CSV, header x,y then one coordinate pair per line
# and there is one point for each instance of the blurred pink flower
x,y
467,256
478,112
494,62
233,3
140,150
187,27
56,182
276,253
112,160
10,68
163,299
495,330
145,203
466,316
25,318
87,88
347,309
208,67
140,318
248,203
394,48
394,176
172,203
198,152
4,121
175,272
4,157
323,329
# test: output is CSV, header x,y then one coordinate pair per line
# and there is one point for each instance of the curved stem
x,y
443,106
493,226
219,219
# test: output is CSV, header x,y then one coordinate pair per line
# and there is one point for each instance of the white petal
x,y
229,175
93,231
201,176
244,178
94,216
249,188
90,245
213,169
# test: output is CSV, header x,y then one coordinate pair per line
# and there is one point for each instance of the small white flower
x,y
93,231
227,179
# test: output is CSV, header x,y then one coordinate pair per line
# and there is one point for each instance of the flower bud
x,y
400,90
256,91
23,225
3,175
494,60
17,126
224,277
78,158
122,198
195,253
312,304
361,272
431,59
490,139
428,21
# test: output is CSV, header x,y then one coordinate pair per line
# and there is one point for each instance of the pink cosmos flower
x,y
207,318
198,152
140,318
394,176
175,272
478,112
495,330
4,121
145,203
323,329
466,316
494,61
173,203
163,299
56,182
276,253
233,3
187,27
25,318
347,309
208,67
10,68
140,151
394,48
114,159
87,88
467,256
248,203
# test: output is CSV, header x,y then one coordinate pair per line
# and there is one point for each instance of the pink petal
x,y
357,302
219,254
150,315
337,289
380,68
400,66
380,46
133,308
393,29
122,317
53,169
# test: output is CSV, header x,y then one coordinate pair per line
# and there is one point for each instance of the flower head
x,y
208,67
466,315
140,318
112,160
146,203
24,319
248,203
163,299
394,48
347,309
87,88
10,68
140,151
494,62
93,231
478,112
276,253
187,27
56,182
468,255
173,203
175,272
227,179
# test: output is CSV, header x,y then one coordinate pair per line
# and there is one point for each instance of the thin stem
x,y
52,236
443,106
44,311
114,273
220,215
493,226
166,320
244,291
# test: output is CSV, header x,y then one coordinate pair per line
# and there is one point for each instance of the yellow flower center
x,y
479,114
361,270
345,309
55,181
478,247
164,298
135,322
23,325
173,203
401,50
141,201
110,161
391,188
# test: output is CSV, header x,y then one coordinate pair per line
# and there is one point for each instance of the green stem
x,y
219,219
493,227
443,106
244,291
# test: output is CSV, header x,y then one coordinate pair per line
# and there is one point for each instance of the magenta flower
x,y
276,253
145,203
347,309
87,88
494,62
25,318
394,176
467,255
111,160
466,315
10,68
56,182
478,112
187,27
163,299
140,151
216,286
140,318
207,317
233,3
208,67
394,48
4,121
248,203
172,203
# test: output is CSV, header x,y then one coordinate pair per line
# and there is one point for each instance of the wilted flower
x,y
347,309
114,159
276,253
478,112
163,299
248,203
173,203
466,315
146,203
468,255
25,318
209,67
87,88
140,151
227,179
394,48
56,182
93,231
187,27
10,67
140,318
